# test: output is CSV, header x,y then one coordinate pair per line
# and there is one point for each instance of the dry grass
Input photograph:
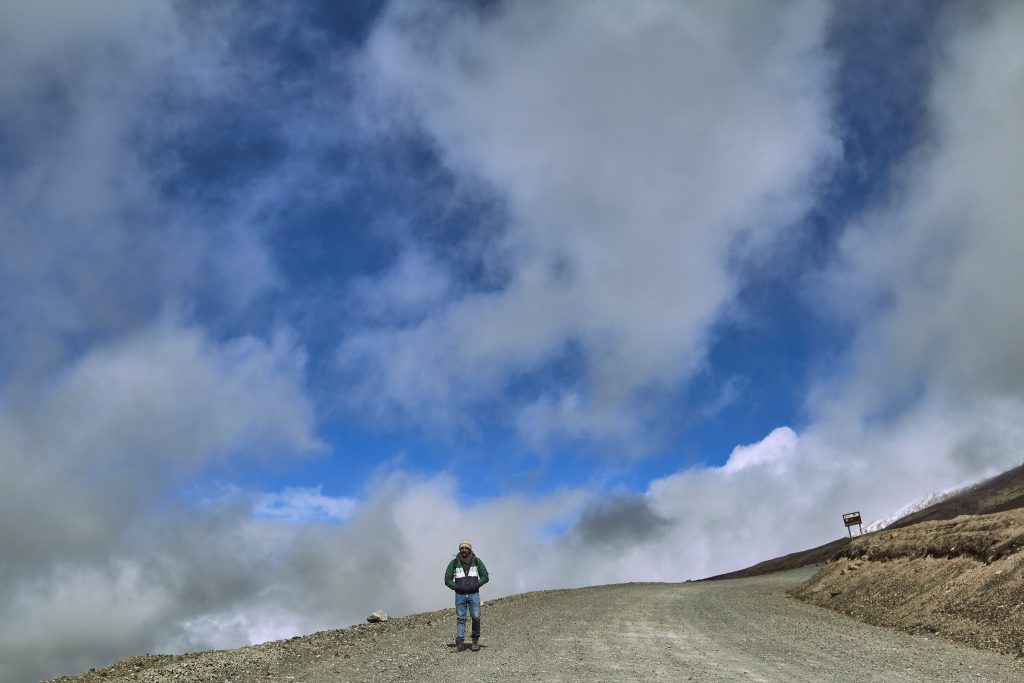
x,y
985,538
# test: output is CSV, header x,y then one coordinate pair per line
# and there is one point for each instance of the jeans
x,y
471,601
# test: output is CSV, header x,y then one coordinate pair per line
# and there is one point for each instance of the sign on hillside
x,y
852,519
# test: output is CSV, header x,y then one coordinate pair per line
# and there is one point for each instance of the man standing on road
x,y
465,574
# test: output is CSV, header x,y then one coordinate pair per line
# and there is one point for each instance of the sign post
x,y
852,519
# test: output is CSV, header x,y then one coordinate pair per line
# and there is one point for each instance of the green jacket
x,y
466,584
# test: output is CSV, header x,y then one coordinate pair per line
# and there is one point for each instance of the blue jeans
x,y
472,601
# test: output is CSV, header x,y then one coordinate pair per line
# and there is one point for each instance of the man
x,y
465,574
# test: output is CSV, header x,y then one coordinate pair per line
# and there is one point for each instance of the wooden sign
x,y
852,519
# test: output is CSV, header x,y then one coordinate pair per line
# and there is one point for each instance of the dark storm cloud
x,y
619,522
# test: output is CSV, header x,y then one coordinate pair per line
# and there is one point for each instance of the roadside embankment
x,y
962,578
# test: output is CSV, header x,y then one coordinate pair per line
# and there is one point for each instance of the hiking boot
x,y
475,647
460,646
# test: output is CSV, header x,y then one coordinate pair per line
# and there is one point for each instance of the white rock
x,y
379,615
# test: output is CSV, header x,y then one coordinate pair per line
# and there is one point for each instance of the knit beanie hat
x,y
465,544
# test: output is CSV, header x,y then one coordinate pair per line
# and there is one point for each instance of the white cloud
x,y
299,504
90,96
932,394
637,149
112,394
234,627
568,417
130,419
771,452
73,613
932,278
95,456
408,291
174,395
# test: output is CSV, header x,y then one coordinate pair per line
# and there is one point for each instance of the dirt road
x,y
738,630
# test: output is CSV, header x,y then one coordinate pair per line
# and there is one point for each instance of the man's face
x,y
464,551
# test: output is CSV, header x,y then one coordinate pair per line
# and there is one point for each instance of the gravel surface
x,y
738,630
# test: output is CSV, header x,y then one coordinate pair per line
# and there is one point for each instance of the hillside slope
x,y
1001,493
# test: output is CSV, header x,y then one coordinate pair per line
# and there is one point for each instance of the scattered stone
x,y
377,617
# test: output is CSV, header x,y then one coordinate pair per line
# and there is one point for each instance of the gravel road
x,y
738,630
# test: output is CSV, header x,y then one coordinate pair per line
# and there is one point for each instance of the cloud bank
x,y
114,395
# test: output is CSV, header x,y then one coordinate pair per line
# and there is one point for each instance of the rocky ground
x,y
738,630
961,578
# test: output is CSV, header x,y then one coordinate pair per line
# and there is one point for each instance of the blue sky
x,y
648,290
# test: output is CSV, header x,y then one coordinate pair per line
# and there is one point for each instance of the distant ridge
x,y
801,558
1001,493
